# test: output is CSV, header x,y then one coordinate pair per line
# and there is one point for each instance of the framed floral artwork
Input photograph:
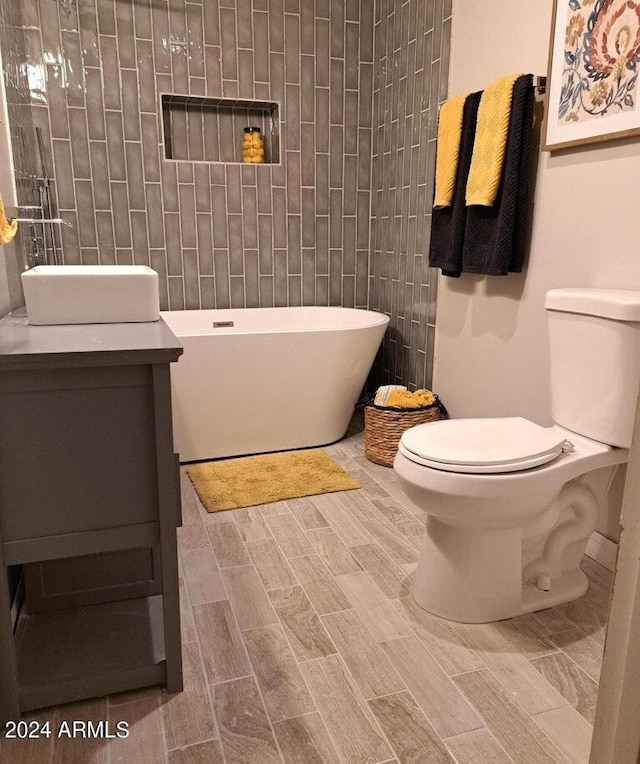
x,y
592,84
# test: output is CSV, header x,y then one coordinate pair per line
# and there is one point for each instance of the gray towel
x,y
448,224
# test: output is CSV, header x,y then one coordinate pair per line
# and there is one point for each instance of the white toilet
x,y
511,505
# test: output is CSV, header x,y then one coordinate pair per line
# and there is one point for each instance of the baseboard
x,y
602,550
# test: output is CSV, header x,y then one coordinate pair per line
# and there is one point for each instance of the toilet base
x,y
475,576
571,585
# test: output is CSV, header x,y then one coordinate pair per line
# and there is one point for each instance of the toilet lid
x,y
482,445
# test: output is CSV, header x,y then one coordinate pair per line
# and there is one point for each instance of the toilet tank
x,y
594,342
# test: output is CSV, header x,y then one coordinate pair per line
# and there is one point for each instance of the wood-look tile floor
x,y
302,644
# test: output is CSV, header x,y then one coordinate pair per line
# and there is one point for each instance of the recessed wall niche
x,y
200,129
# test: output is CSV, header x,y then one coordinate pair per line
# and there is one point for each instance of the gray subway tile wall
x,y
218,234
409,82
343,219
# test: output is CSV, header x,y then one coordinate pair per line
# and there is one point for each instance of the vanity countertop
x,y
84,344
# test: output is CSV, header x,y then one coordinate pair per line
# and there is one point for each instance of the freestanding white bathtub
x,y
255,380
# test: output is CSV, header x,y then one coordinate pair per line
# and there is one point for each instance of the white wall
x,y
11,296
491,356
5,295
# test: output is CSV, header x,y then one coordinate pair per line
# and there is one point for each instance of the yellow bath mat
x,y
251,480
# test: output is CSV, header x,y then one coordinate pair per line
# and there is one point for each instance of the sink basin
x,y
91,294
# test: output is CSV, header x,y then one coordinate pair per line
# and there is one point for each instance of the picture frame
x,y
592,91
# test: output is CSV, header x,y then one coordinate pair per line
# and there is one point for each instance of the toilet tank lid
x,y
618,304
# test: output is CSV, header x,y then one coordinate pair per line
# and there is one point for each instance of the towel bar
x,y
540,83
44,221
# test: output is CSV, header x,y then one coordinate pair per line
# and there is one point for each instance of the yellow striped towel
x,y
382,393
490,142
448,147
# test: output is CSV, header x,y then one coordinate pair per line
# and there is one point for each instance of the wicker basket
x,y
383,428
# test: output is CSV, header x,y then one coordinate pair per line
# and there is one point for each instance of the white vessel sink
x,y
91,294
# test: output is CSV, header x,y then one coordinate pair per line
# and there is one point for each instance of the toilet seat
x,y
482,446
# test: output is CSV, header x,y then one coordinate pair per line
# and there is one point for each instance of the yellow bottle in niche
x,y
252,146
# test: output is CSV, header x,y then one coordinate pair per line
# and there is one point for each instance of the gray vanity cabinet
x,y
89,505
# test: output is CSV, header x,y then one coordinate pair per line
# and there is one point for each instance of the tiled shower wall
x,y
218,234
226,234
410,81
23,143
